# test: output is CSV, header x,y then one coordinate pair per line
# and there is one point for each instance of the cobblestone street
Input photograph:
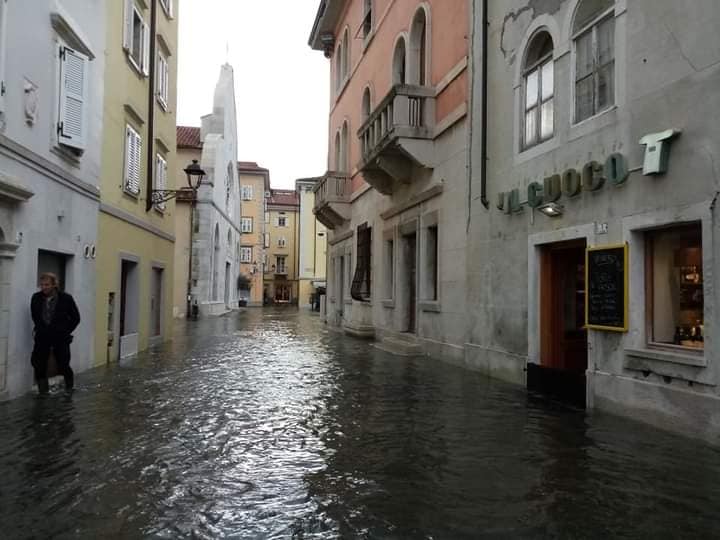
x,y
266,425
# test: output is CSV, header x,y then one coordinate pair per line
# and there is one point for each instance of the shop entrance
x,y
563,337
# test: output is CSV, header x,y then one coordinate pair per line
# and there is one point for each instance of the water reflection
x,y
266,425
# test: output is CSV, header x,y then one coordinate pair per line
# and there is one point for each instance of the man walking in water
x,y
56,316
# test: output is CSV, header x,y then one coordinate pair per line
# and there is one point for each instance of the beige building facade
x,y
281,285
312,245
254,184
135,255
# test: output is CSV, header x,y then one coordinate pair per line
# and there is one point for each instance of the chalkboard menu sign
x,y
606,295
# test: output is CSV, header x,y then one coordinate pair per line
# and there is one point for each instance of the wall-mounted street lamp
x,y
194,174
552,209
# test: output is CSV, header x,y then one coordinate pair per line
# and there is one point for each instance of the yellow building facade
x,y
254,184
135,255
281,241
312,245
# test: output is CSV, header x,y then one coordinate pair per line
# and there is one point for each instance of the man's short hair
x,y
49,276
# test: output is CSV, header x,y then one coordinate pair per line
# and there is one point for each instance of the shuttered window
x,y
160,177
133,152
246,225
360,288
247,193
73,98
162,81
136,38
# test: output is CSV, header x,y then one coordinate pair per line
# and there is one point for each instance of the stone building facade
x,y
216,235
598,124
395,194
51,115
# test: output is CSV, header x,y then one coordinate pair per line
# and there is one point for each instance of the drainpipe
x,y
484,107
151,107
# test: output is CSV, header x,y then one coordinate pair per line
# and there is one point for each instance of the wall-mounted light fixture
x,y
552,209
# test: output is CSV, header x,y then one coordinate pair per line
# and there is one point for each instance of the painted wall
x,y
312,249
290,250
666,58
182,234
436,195
127,230
59,187
254,209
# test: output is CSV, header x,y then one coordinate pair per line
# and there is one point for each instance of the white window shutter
x,y
249,193
146,50
133,152
160,176
171,8
127,25
73,98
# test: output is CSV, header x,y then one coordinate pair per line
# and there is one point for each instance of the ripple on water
x,y
266,425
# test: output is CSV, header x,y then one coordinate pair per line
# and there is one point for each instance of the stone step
x,y
400,347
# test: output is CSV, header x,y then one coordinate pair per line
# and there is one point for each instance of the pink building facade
x,y
395,195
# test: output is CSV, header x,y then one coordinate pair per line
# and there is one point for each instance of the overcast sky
x,y
281,85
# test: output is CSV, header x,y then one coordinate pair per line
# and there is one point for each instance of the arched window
x,y
367,18
538,90
338,153
229,238
345,148
594,46
346,55
338,66
417,74
228,185
366,104
399,62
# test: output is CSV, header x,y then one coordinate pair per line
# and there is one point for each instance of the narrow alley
x,y
265,424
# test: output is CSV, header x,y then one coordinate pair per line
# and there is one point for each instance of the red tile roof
x,y
284,197
250,166
188,137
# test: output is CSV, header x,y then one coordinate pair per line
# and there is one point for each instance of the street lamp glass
x,y
194,174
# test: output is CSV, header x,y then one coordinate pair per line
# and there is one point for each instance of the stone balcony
x,y
332,199
397,136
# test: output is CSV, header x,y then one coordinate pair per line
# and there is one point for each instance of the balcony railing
x,y
406,111
332,199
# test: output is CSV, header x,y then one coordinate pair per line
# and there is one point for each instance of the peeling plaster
x,y
516,23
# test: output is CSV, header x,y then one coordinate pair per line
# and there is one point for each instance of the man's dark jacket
x,y
64,320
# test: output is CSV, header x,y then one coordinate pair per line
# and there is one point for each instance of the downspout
x,y
484,108
151,106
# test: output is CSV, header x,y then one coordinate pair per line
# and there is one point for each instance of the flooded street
x,y
267,425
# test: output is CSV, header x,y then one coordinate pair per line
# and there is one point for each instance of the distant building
x,y
312,245
136,233
281,285
52,67
254,184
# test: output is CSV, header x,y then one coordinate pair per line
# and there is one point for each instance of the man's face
x,y
47,287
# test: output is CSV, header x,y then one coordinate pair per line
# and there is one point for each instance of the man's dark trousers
x,y
40,354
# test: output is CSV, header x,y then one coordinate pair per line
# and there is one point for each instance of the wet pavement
x,y
267,425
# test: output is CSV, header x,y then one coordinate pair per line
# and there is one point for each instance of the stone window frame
x,y
681,363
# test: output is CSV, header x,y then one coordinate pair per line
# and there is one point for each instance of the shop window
x,y
360,288
594,31
538,91
674,280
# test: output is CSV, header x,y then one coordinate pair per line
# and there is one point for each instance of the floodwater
x,y
267,425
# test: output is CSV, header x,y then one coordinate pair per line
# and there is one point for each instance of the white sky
x,y
281,85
